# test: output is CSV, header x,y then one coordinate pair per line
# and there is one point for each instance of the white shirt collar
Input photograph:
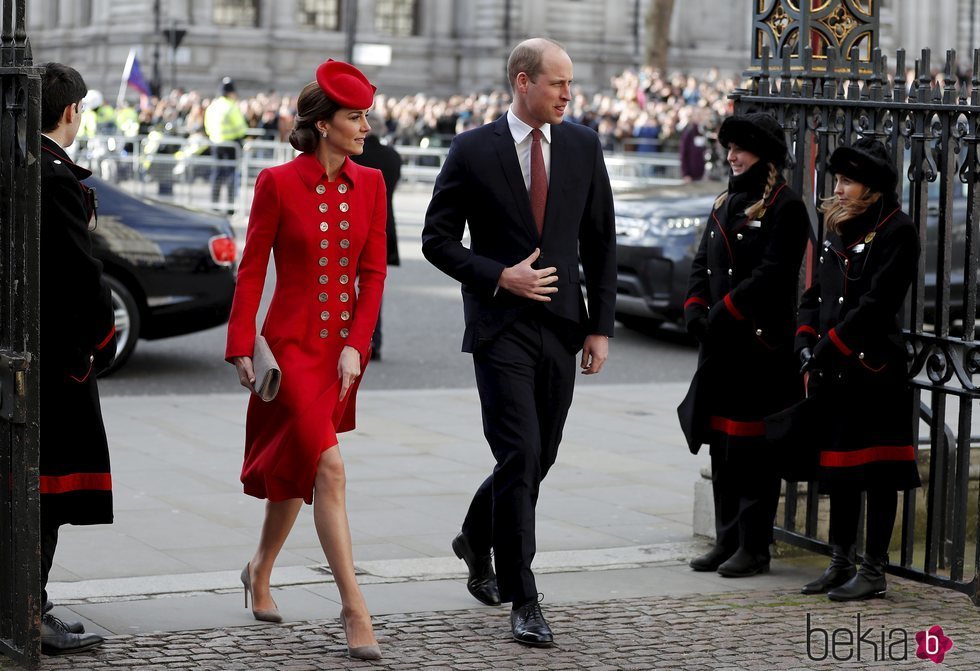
x,y
521,130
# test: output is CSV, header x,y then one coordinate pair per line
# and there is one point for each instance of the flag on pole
x,y
132,77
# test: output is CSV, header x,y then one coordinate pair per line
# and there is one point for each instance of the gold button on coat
x,y
323,279
324,333
324,244
323,297
344,333
321,189
344,261
840,300
323,207
344,225
324,226
322,261
739,236
342,188
344,207
344,279
324,315
345,315
345,243
344,297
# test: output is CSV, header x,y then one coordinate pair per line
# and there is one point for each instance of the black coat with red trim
x,y
849,318
77,340
741,304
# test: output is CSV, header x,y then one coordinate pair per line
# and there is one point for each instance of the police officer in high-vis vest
x,y
224,123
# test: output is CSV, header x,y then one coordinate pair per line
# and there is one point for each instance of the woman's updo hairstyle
x,y
312,105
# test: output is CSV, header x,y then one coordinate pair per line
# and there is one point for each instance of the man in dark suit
x,y
536,197
77,341
387,160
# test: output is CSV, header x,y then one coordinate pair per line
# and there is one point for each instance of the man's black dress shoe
x,y
712,559
529,626
743,564
73,627
57,640
482,582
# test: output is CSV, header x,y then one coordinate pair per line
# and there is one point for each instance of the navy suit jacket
x,y
481,185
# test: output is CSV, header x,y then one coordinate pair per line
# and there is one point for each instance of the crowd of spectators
x,y
639,111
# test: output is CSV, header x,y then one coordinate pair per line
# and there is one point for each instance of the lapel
x,y
511,167
560,156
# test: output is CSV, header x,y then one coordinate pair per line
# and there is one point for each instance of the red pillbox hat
x,y
345,84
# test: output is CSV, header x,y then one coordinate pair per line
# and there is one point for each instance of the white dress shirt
x,y
522,143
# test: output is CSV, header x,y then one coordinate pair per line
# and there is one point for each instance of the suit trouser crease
x,y
49,543
525,378
746,495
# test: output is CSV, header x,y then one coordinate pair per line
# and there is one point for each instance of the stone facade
x,y
458,46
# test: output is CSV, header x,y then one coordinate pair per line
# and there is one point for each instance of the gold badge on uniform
x,y
869,237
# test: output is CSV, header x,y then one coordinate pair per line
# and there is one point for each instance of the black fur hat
x,y
866,161
757,132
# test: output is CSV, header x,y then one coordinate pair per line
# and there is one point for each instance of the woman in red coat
x,y
323,217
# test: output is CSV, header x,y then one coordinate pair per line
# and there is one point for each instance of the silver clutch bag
x,y
267,373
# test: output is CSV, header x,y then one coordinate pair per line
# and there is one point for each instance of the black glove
x,y
697,328
720,321
103,358
822,352
806,359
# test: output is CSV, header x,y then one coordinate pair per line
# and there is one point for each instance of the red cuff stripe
x,y
63,484
806,328
867,456
834,338
733,427
105,342
731,308
695,300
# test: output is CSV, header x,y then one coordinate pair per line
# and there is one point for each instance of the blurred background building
x,y
437,46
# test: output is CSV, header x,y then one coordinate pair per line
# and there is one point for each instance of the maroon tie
x,y
539,181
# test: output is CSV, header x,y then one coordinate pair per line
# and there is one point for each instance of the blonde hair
x,y
757,209
835,213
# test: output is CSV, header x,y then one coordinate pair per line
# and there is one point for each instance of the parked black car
x,y
657,235
171,270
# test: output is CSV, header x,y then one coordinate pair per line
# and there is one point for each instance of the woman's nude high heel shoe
x,y
271,615
369,652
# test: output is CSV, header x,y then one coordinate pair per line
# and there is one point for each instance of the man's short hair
x,y
61,86
526,57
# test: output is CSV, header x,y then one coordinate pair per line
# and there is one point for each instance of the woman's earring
x,y
323,133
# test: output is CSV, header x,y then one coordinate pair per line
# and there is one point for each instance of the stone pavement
x,y
614,531
764,630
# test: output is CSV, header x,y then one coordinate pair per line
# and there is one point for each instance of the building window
x,y
240,13
85,13
321,14
396,17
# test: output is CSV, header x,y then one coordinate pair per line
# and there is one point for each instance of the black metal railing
x,y
20,104
931,126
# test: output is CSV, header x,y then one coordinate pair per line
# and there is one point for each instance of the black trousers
x,y
845,508
49,543
223,175
746,494
525,378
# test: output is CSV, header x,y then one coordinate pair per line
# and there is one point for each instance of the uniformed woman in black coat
x,y
849,340
741,306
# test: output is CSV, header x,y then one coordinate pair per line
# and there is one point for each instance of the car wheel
x,y
637,323
127,322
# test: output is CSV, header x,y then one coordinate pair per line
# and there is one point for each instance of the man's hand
x,y
524,281
246,374
348,368
595,351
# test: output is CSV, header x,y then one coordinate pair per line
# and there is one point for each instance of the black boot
x,y
743,564
712,559
841,570
867,583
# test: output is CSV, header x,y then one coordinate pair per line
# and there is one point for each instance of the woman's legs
x,y
279,519
333,529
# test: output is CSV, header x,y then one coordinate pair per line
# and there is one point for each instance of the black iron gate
x,y
20,104
931,126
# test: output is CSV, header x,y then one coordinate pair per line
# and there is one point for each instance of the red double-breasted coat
x,y
328,242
